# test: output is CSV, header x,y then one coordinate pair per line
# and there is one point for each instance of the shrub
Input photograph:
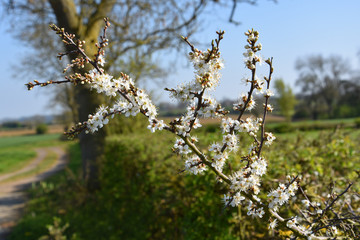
x,y
41,128
357,122
144,195
283,128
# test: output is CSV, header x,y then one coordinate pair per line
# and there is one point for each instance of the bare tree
x,y
320,79
140,28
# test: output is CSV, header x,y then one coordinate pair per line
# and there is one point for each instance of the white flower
x,y
283,197
101,60
268,93
231,141
334,230
259,166
260,212
306,203
215,147
132,110
194,165
292,222
273,224
98,120
155,125
181,146
269,137
233,200
269,108
197,123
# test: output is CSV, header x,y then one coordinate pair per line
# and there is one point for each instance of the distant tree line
x,y
329,88
30,122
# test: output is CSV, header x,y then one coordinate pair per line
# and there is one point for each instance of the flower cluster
x,y
283,193
97,120
255,212
194,165
252,48
244,103
269,138
207,65
233,200
248,179
219,158
244,185
131,100
181,147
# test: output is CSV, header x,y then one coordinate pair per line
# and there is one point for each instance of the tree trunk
x,y
92,145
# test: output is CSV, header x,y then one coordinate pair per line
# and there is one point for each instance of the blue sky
x,y
289,30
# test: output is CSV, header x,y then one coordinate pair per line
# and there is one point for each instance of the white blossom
x,y
282,194
98,120
181,147
269,138
155,125
194,165
233,200
292,222
268,93
101,60
273,224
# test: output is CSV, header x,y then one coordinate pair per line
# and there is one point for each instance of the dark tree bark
x,y
92,146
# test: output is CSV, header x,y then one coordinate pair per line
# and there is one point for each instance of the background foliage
x,y
143,195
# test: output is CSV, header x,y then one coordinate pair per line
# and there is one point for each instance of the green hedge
x,y
143,195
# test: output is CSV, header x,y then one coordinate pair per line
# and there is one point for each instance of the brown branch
x,y
331,204
269,61
193,49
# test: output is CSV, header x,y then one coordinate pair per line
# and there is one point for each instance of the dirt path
x,y
12,194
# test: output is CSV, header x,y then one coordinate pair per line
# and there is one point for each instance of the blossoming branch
x,y
244,185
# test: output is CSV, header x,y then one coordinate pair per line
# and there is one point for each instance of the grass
x,y
353,134
18,151
338,120
29,141
45,203
44,165
347,122
12,159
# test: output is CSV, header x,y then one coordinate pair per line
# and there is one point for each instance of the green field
x,y
29,141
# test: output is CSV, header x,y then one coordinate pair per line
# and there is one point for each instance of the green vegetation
x,y
16,152
286,100
11,125
41,128
357,122
29,141
144,195
51,198
44,165
11,159
312,125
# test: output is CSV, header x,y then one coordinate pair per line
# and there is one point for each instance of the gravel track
x,y
13,195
